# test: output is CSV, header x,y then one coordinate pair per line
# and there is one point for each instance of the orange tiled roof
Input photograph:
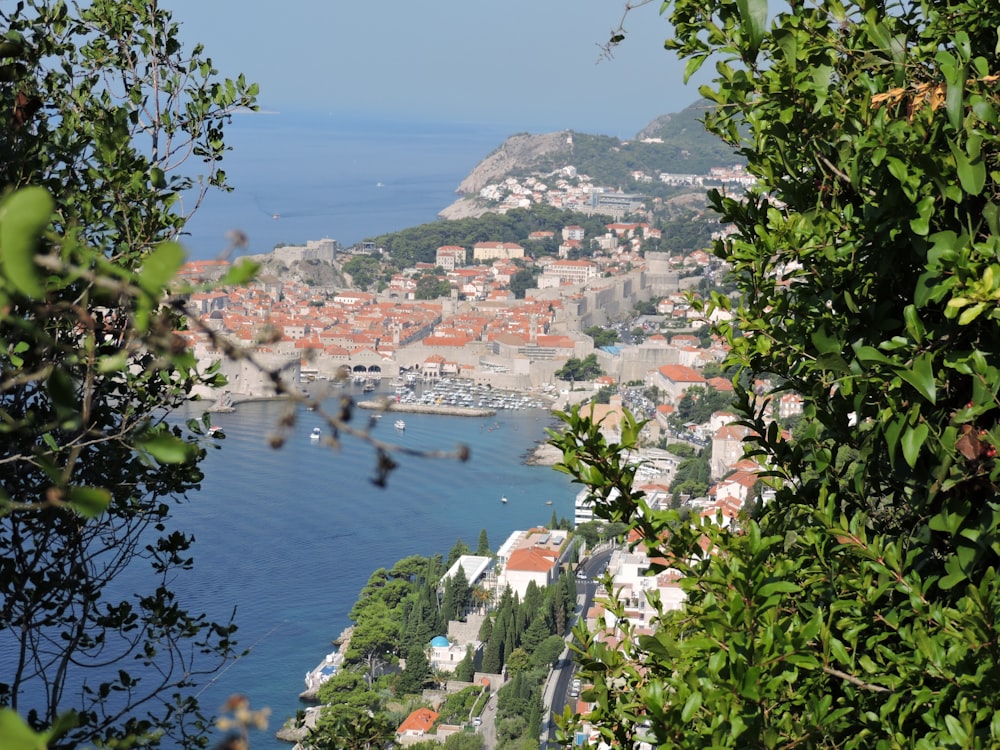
x,y
420,721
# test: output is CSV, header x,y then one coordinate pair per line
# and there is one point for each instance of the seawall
x,y
448,411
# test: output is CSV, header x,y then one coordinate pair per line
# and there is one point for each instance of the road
x,y
556,691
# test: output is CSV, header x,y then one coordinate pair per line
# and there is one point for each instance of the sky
x,y
531,65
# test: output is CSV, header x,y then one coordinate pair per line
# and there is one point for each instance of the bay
x,y
300,176
290,536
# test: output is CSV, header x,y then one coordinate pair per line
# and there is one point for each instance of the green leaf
x,y
113,363
753,14
17,735
970,167
956,730
913,325
161,266
157,178
691,705
168,449
24,215
826,344
89,502
971,313
921,376
912,440
778,587
62,389
240,273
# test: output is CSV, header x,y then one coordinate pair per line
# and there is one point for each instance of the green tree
x,y
465,670
602,336
344,728
522,281
858,608
374,639
536,632
483,548
580,369
548,652
463,741
457,597
363,270
518,661
699,403
431,286
92,172
416,674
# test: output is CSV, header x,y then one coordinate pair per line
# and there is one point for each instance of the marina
x,y
468,394
453,397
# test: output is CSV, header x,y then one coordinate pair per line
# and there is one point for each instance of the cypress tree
x,y
492,661
462,593
466,669
483,549
485,630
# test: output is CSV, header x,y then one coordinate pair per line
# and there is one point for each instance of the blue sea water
x,y
334,176
290,536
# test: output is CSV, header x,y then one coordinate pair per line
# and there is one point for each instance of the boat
x,y
400,424
503,499
548,502
316,434
368,387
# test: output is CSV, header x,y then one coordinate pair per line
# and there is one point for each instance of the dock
x,y
326,668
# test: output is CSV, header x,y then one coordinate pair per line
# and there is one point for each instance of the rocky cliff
x,y
518,152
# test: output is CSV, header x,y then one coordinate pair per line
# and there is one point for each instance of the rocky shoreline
x,y
543,454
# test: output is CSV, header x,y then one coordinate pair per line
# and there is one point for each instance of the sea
x,y
300,176
288,537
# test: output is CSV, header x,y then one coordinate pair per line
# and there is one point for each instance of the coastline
x,y
543,454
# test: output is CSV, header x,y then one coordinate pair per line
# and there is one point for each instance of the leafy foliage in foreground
x,y
859,609
90,364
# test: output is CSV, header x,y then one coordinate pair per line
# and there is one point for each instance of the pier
x,y
442,409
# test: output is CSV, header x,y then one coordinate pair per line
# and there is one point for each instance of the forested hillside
x,y
686,148
419,244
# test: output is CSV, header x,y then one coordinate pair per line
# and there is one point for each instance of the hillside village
x,y
481,334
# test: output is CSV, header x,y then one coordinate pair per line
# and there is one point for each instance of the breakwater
x,y
441,409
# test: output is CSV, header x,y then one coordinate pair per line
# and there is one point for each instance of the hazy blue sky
x,y
529,64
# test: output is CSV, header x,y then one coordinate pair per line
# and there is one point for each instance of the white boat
x,y
503,499
316,434
400,424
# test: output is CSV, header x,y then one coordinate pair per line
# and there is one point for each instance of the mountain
x,y
676,143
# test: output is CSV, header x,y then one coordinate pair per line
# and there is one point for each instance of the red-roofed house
x,y
416,726
533,555
673,380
